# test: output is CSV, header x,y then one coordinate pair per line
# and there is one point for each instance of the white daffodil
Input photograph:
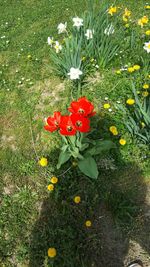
x,y
57,47
75,73
77,22
62,27
109,30
89,34
50,41
147,46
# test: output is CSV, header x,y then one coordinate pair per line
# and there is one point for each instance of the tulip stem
x,y
79,89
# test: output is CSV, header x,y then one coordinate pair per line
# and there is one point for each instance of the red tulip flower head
x,y
83,107
53,123
66,126
80,123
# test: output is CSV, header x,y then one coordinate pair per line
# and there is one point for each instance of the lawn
x,y
32,219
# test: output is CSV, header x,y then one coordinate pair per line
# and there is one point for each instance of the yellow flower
x,y
130,101
127,25
122,141
113,130
77,199
147,7
147,32
125,19
145,86
143,21
88,223
149,76
106,106
50,187
112,10
145,93
131,69
118,71
43,162
54,180
127,12
136,67
52,252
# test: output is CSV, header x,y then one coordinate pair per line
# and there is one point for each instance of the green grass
x,y
31,220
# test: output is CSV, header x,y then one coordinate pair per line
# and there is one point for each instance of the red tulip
x,y
53,123
81,123
82,107
66,126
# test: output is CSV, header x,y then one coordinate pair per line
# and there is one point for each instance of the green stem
x,y
79,92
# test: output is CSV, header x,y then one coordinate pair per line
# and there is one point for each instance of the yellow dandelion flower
x,y
131,69
88,223
136,67
130,101
113,130
112,10
52,252
125,19
144,20
147,7
43,162
50,187
145,93
54,180
147,32
77,199
106,106
127,12
145,86
122,141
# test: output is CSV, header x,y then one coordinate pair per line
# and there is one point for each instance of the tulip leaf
x,y
63,157
100,146
88,166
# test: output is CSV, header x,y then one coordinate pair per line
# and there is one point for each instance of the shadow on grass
x,y
114,203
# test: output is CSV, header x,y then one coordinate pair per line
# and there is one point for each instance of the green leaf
x,y
100,146
89,167
63,157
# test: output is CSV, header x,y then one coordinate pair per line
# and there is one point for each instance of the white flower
x,y
109,30
123,68
77,22
57,47
62,27
147,46
75,73
89,34
50,41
